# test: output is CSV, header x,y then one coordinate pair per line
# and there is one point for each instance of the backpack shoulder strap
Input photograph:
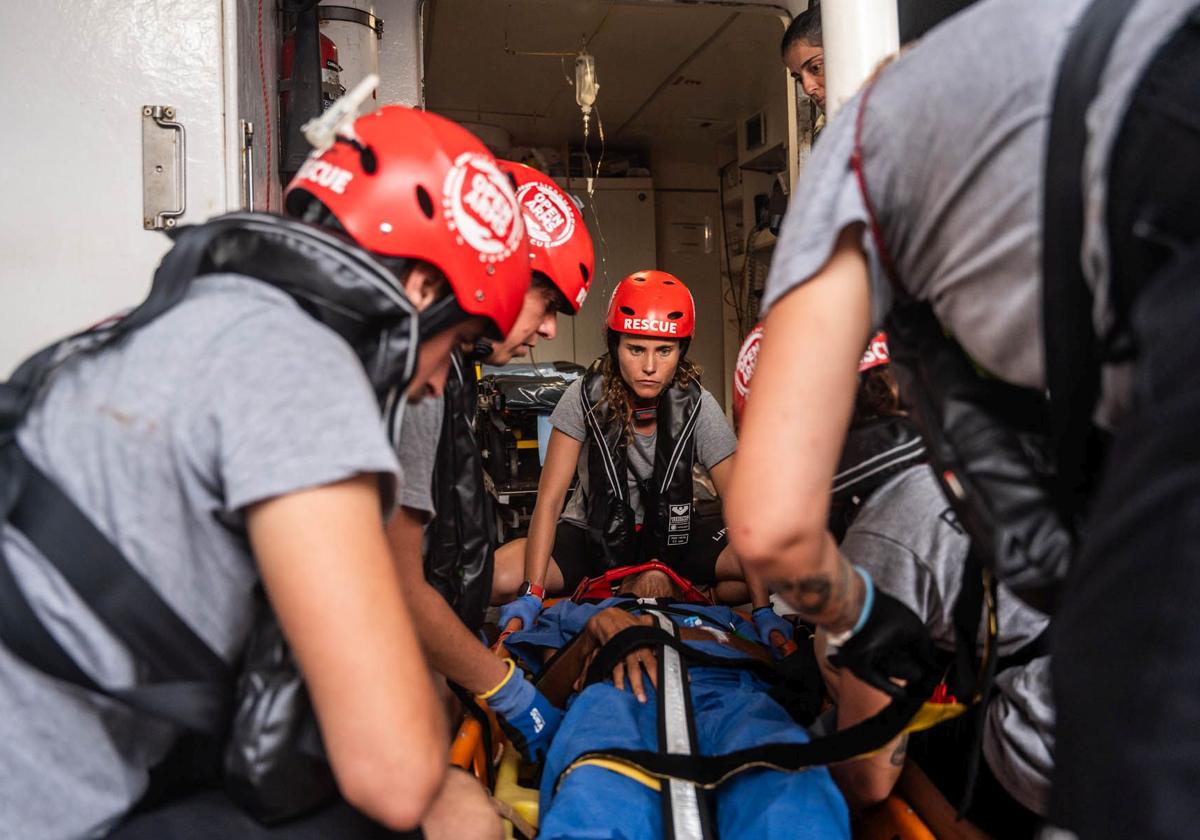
x,y
1071,350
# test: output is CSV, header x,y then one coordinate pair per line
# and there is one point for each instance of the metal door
x,y
77,76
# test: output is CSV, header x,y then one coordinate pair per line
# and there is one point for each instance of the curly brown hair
x,y
878,397
618,395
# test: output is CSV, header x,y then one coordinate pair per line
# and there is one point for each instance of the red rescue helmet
x,y
654,304
877,353
560,246
747,359
414,185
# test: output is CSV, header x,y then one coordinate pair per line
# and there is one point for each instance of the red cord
x,y
262,75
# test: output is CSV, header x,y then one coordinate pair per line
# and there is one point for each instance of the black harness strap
x,y
1072,352
635,638
712,771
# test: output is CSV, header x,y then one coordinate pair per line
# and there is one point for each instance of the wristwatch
x,y
528,588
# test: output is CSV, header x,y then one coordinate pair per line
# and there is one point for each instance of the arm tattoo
x,y
813,592
816,595
900,752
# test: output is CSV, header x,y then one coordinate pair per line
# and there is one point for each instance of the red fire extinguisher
x,y
331,85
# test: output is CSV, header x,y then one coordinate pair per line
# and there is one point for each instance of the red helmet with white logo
x,y
560,246
747,359
415,185
654,304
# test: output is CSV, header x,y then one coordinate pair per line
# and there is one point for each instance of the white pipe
x,y
857,35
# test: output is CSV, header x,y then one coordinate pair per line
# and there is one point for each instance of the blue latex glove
x,y
525,608
526,716
766,620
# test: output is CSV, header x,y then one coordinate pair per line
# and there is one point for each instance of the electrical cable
x,y
592,175
262,75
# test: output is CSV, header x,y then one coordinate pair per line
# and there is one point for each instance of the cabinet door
x,y
689,248
620,217
77,76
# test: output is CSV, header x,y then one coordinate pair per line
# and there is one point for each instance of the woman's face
x,y
647,364
807,65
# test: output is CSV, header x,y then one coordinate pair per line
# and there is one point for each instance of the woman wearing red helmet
x,y
630,429
224,438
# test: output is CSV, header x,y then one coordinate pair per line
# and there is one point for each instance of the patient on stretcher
x,y
683,703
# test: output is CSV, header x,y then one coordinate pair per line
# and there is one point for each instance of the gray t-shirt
x,y
954,143
907,537
714,442
233,397
420,433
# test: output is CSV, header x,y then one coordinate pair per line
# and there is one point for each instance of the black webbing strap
x,y
1072,353
184,680
674,608
975,680
641,636
711,771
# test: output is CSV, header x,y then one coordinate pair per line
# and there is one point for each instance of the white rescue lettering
x,y
651,325
325,174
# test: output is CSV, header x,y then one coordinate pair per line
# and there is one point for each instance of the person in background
x,y
630,431
803,54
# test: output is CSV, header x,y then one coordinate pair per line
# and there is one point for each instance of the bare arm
x,y
722,475
327,570
792,433
562,457
450,646
868,780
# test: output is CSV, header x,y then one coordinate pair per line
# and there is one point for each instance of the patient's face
x,y
652,584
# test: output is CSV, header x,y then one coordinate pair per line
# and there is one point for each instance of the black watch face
x,y
526,588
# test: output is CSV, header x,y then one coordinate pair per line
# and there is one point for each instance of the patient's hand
x,y
602,627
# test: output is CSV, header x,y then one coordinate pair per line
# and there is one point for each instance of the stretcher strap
x,y
635,638
685,813
910,713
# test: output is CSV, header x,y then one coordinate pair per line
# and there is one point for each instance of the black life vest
x,y
666,497
460,552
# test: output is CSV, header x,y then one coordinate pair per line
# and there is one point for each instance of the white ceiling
x,y
666,71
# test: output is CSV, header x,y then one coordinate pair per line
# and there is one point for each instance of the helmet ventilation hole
x,y
668,282
674,316
426,202
584,272
628,311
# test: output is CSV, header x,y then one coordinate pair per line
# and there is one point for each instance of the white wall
x,y
76,77
401,67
